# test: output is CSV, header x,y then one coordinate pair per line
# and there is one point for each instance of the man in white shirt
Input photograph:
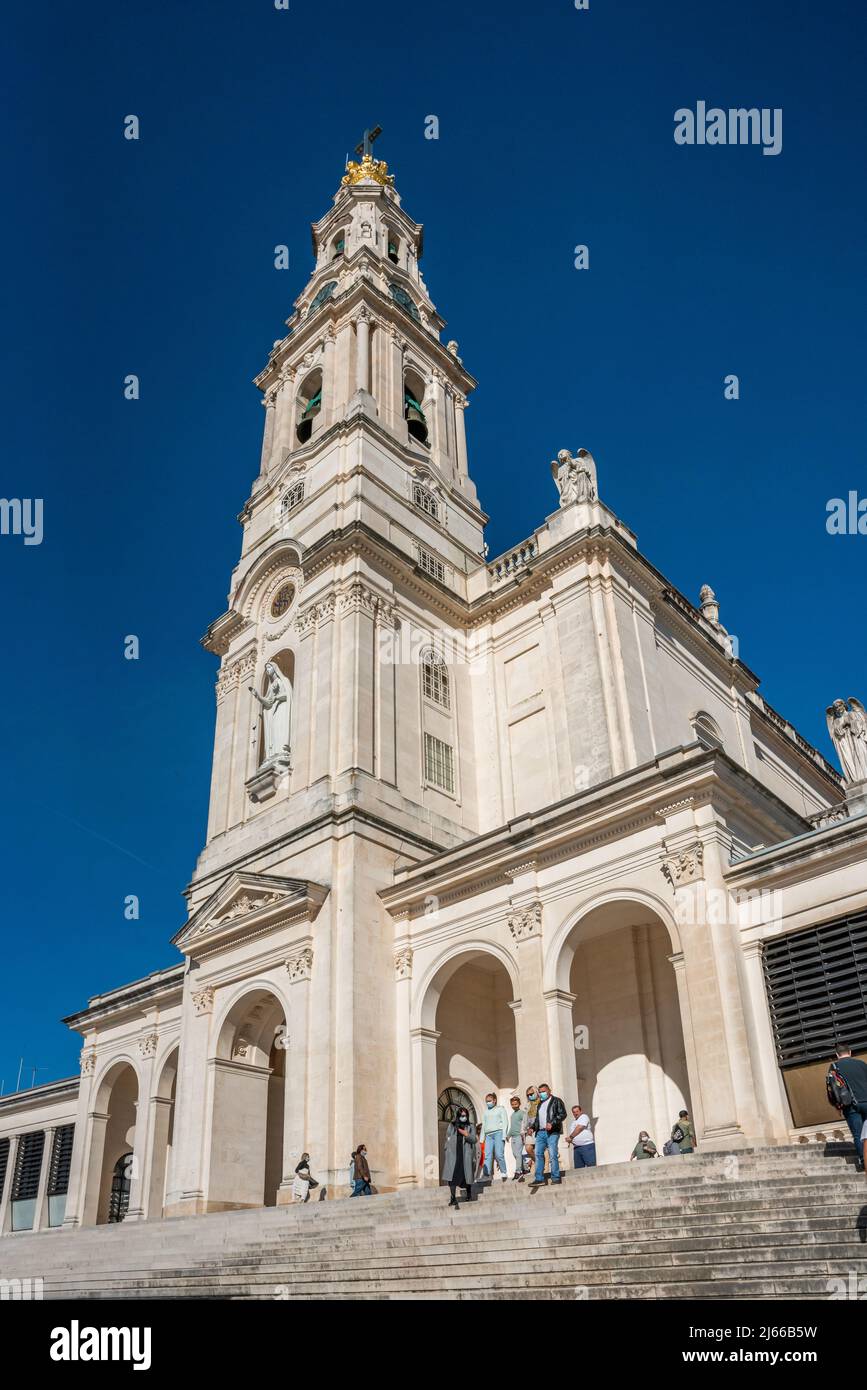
x,y
581,1138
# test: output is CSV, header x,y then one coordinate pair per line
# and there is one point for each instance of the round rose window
x,y
282,600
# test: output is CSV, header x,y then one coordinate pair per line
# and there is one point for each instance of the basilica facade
x,y
474,822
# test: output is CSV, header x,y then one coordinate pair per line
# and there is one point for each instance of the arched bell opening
x,y
413,412
309,405
338,246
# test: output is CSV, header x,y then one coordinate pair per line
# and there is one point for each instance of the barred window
x,y
425,501
431,565
292,498
435,678
439,763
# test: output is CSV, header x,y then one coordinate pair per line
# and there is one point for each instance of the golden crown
x,y
368,168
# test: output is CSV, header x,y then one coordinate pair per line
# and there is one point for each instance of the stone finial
x,y
709,605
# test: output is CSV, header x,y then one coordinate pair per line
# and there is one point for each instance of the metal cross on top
x,y
366,146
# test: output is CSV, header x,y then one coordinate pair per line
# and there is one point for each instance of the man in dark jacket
x,y
854,1074
547,1126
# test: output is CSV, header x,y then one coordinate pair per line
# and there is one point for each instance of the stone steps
x,y
757,1224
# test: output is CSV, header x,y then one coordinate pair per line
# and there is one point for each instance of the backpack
x,y
838,1088
678,1135
669,1148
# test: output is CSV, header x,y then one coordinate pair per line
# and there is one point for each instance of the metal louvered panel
x,y
28,1165
61,1160
4,1163
816,982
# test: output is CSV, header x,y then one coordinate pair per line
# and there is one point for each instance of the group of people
x,y
533,1130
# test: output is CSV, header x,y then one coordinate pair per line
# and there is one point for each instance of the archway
x,y
246,1162
630,1070
115,1113
469,1032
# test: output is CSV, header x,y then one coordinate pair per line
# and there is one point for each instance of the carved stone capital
x,y
88,1061
300,965
403,964
526,922
147,1045
203,1000
685,865
234,672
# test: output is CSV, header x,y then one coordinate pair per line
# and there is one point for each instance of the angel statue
x,y
575,477
276,711
847,725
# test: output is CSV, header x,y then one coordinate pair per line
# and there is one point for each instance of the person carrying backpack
x,y
683,1134
846,1085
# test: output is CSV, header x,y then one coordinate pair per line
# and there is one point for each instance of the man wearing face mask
x,y
495,1123
548,1127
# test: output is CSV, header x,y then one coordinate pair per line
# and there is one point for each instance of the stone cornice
x,y
837,845
605,813
163,988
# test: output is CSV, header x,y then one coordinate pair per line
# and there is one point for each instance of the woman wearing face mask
x,y
645,1148
460,1156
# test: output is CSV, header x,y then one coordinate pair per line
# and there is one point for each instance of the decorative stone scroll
x,y
684,866
300,965
526,923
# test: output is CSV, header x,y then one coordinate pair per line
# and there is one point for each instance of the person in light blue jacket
x,y
495,1124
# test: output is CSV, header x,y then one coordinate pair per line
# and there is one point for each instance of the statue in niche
x,y
575,477
847,725
276,712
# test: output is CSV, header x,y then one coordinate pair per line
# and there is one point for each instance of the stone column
x,y
424,1107
362,358
269,401
80,1147
328,413
157,1173
40,1215
194,1102
561,1042
763,1049
97,1123
285,435
296,1103
407,1176
141,1157
461,435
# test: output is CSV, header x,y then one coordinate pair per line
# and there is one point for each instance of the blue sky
x,y
156,257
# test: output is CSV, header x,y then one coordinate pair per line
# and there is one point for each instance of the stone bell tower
x,y
363,480
343,744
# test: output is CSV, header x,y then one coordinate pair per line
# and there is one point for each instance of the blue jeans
x,y
495,1148
549,1142
360,1188
855,1117
584,1155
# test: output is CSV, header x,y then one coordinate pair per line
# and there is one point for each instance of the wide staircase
x,y
780,1223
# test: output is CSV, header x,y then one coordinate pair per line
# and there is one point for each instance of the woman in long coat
x,y
460,1156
